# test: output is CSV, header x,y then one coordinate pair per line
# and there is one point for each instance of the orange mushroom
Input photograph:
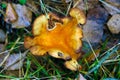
x,y
59,37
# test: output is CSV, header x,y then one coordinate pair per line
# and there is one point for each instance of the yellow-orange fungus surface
x,y
59,37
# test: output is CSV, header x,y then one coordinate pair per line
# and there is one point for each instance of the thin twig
x,y
92,49
109,61
68,9
55,9
43,8
77,3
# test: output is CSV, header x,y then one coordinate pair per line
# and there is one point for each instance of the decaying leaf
x,y
11,15
92,32
60,37
93,29
14,61
25,16
19,15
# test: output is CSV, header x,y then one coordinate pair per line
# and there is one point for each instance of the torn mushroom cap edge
x,y
78,14
38,24
42,23
73,65
43,20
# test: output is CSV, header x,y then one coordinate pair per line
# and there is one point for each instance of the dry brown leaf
x,y
14,61
10,15
93,29
24,16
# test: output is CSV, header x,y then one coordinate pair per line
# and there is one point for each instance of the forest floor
x,y
100,58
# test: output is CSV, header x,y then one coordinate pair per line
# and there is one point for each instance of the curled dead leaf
x,y
10,15
18,15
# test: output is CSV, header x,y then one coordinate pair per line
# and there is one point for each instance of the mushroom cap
x,y
63,40
42,22
38,25
78,14
73,65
